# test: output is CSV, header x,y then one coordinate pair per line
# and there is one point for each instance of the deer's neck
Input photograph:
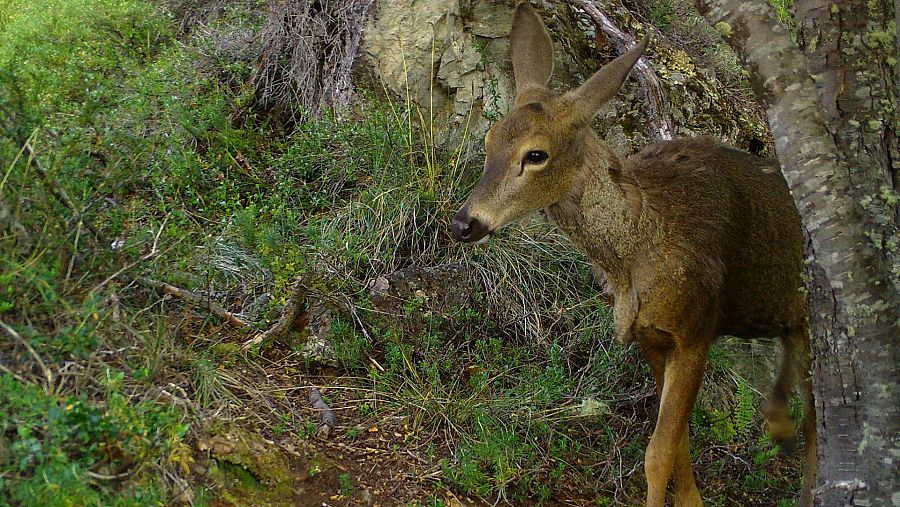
x,y
604,214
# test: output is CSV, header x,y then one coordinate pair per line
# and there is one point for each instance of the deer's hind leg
x,y
795,368
668,451
777,411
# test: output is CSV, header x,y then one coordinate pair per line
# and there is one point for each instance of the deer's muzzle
x,y
466,228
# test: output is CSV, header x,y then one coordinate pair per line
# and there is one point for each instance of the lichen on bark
x,y
836,160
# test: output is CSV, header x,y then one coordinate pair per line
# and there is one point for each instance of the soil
x,y
376,460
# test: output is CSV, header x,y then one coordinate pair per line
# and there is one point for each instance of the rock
x,y
488,21
364,496
251,467
452,60
442,289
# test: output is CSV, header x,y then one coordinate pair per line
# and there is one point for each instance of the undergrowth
x,y
124,157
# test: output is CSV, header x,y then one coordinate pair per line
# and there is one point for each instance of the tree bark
x,y
841,168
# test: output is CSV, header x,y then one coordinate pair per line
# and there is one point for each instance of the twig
x,y
103,477
16,336
662,125
289,315
186,295
327,419
14,374
74,251
58,191
376,365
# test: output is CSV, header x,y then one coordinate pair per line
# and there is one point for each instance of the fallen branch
x,y
15,375
196,299
327,419
661,123
292,311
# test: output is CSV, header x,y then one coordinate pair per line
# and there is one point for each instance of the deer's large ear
x,y
531,48
605,82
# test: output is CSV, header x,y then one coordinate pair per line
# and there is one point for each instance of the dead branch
x,y
16,336
327,419
308,50
104,477
196,299
661,123
15,375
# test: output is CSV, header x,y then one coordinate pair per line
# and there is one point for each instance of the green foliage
x,y
66,53
54,441
728,426
349,345
662,13
744,409
69,74
155,152
346,483
784,12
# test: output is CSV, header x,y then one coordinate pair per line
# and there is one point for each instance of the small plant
x,y
52,443
307,429
346,484
349,345
662,13
783,11
284,423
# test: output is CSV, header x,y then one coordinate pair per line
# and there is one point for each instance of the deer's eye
x,y
536,157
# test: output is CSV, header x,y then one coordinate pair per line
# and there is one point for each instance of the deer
x,y
696,240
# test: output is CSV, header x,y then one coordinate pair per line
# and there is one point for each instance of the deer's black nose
x,y
466,228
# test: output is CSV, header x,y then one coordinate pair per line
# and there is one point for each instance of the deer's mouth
x,y
468,229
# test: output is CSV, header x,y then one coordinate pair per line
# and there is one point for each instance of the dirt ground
x,y
377,459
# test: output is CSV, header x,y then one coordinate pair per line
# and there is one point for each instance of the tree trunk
x,y
841,168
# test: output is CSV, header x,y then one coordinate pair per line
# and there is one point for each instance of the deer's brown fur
x,y
697,240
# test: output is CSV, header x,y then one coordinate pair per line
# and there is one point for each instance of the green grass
x,y
662,13
784,12
517,393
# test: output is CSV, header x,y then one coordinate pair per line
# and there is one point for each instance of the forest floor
x,y
131,153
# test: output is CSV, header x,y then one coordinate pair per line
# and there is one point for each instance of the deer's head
x,y
534,154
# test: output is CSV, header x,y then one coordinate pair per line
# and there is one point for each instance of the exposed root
x,y
327,419
291,312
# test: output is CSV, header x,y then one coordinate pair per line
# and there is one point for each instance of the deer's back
x,y
729,216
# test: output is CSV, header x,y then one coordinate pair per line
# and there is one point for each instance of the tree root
x,y
291,312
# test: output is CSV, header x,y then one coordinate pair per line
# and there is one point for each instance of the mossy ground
x,y
112,395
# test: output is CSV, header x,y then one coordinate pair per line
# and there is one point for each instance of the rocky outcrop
x,y
450,61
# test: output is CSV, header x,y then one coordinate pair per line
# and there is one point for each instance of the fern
x,y
744,409
722,427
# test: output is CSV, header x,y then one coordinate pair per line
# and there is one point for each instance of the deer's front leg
x,y
683,374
